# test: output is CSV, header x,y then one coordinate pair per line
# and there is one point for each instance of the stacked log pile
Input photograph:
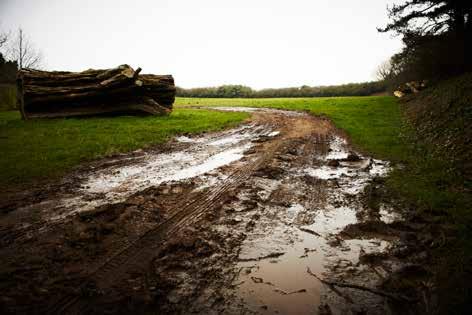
x,y
118,91
411,87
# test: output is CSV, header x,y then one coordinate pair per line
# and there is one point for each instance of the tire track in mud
x,y
9,236
191,244
138,253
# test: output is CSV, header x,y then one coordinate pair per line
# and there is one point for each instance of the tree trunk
x,y
116,91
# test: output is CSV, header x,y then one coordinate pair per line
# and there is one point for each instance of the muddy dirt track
x,y
226,222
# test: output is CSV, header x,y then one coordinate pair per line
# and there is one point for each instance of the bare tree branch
x,y
384,71
23,52
3,39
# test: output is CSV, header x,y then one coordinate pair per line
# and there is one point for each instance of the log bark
x,y
117,91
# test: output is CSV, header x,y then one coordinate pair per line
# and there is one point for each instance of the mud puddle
x,y
126,176
226,223
295,226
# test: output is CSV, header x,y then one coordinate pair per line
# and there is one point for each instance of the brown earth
x,y
185,246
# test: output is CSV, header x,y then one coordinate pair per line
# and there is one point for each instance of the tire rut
x,y
137,254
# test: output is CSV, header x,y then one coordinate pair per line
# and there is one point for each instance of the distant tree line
x,y
8,70
437,37
241,91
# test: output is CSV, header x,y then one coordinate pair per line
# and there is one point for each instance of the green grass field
x,y
47,148
39,149
373,123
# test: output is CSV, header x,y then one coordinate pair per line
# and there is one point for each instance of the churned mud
x,y
275,216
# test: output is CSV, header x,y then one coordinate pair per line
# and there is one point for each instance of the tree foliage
x,y
437,37
3,41
240,91
430,17
8,69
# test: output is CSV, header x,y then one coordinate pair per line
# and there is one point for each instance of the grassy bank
x,y
39,149
440,118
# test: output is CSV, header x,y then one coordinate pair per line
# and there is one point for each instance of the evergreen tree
x,y
437,35
431,17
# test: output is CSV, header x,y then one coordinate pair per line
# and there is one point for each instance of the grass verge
x,y
39,149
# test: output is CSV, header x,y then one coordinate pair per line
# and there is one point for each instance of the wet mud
x,y
228,222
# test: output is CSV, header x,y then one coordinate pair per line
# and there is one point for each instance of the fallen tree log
x,y
118,91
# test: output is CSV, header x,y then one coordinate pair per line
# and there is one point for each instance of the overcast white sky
x,y
260,43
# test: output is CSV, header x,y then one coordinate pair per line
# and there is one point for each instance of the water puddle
x,y
119,178
388,215
288,238
201,157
